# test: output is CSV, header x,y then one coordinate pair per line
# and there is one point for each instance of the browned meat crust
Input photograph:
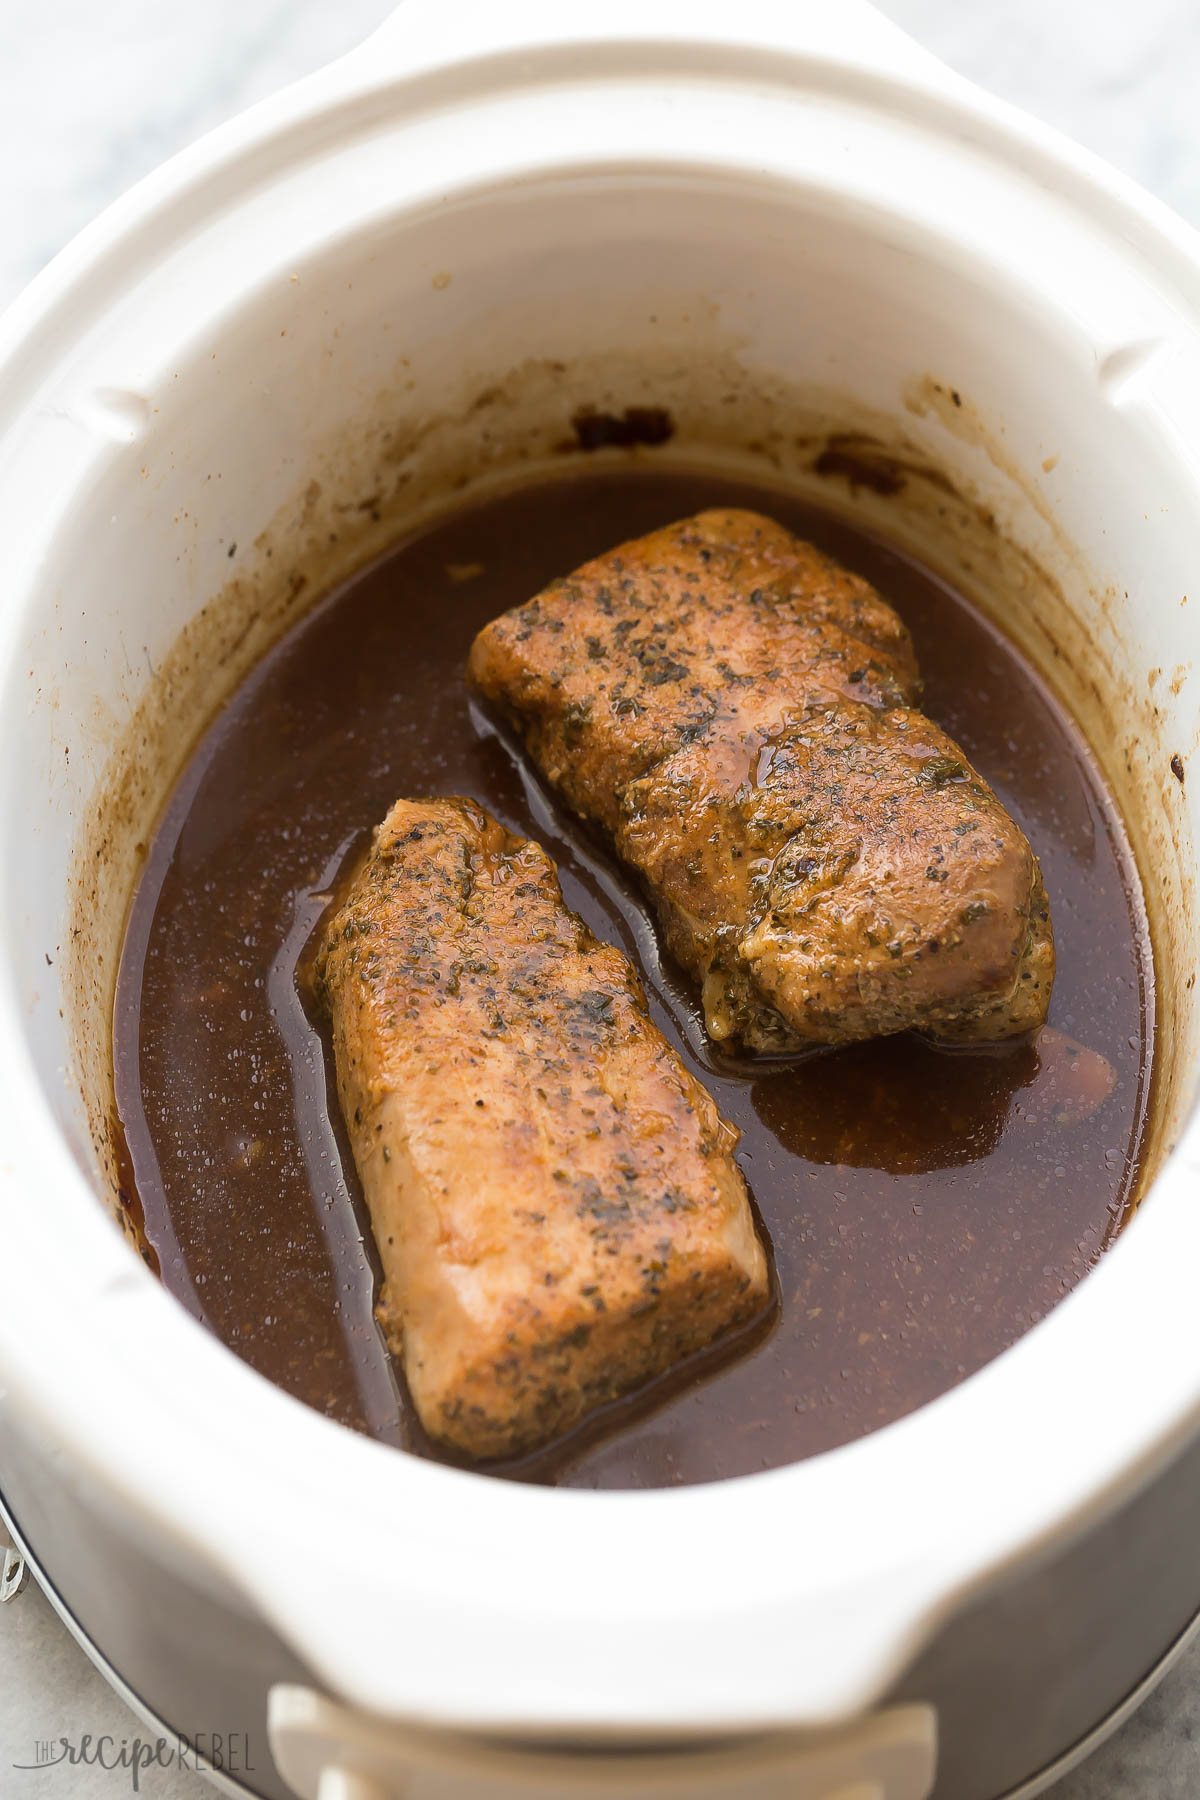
x,y
555,1200
735,711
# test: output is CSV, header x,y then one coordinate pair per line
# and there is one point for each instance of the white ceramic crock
x,y
534,204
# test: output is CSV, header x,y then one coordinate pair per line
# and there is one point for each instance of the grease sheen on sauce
x,y
925,1207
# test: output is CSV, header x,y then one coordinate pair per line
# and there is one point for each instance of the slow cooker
x,y
390,285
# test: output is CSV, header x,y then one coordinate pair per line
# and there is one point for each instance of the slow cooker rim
x,y
134,1288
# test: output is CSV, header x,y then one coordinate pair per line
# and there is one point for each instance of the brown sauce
x,y
925,1207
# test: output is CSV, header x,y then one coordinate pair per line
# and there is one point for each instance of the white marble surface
x,y
92,97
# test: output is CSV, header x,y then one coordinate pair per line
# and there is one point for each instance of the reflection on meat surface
x,y
558,1212
735,710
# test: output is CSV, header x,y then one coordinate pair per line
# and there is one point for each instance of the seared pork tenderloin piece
x,y
736,713
557,1209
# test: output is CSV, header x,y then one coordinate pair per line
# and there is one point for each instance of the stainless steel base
x,y
159,1728
1071,1759
235,1790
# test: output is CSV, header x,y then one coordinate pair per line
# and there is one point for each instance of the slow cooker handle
x,y
851,32
327,1751
343,1784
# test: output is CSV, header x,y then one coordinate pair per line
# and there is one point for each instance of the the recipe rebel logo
x,y
213,1752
